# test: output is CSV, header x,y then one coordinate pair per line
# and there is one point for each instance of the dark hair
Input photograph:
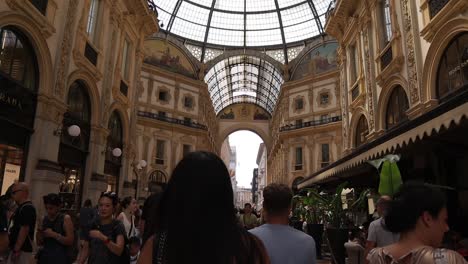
x,y
277,198
126,202
52,199
201,179
409,203
111,195
247,204
134,241
87,203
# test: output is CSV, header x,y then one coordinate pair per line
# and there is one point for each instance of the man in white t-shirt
x,y
284,244
378,236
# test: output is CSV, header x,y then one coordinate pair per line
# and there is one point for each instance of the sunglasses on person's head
x,y
108,194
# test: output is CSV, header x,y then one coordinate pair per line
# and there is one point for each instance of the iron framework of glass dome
x,y
244,79
213,25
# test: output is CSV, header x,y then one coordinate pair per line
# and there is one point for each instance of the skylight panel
x,y
301,31
230,5
188,29
193,13
321,6
226,37
224,20
206,3
296,15
262,21
264,37
260,5
163,17
288,3
168,6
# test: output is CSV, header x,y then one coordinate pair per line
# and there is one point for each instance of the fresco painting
x,y
162,54
244,112
319,60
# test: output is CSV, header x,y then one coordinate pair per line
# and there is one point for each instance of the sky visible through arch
x,y
246,143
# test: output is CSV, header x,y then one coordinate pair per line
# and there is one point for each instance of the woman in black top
x,y
56,233
105,243
196,220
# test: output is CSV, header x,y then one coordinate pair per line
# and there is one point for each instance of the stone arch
x,y
440,41
92,90
125,121
44,61
360,111
384,96
243,126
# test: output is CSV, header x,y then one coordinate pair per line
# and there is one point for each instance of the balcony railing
x,y
435,6
310,123
386,58
172,120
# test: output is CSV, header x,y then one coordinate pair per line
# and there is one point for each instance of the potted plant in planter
x,y
336,219
312,212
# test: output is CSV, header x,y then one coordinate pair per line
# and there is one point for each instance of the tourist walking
x,y
105,242
283,243
56,234
248,219
196,220
127,216
23,223
419,213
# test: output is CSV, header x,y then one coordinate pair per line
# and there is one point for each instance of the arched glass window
x,y
396,107
115,139
17,58
79,113
78,102
453,67
386,22
362,130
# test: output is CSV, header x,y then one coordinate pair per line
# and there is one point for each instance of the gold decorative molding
x,y
44,22
411,53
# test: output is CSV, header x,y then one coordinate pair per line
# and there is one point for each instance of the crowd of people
x,y
194,221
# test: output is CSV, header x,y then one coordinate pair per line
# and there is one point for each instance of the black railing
x,y
355,92
91,54
310,123
435,6
123,88
41,5
172,120
386,58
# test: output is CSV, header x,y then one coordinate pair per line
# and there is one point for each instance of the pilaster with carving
x,y
413,85
369,76
64,55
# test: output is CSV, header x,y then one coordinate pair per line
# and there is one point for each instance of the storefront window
x,y
453,67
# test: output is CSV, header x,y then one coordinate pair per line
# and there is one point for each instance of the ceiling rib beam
x,y
208,26
316,16
280,19
173,15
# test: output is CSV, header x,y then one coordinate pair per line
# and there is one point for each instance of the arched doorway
x,y
73,149
19,80
113,161
396,108
362,130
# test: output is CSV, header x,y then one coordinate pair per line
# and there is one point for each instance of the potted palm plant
x,y
336,218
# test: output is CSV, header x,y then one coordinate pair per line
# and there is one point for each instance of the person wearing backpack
x,y
56,233
105,242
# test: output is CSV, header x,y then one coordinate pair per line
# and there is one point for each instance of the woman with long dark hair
x,y
196,220
105,242
419,213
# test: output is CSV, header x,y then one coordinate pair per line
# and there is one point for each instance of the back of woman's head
x,y
126,202
197,211
409,203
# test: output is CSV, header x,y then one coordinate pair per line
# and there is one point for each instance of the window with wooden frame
x,y
386,22
362,130
298,161
93,16
353,63
125,64
160,151
396,107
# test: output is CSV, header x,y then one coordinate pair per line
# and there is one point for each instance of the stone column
x,y
42,169
95,164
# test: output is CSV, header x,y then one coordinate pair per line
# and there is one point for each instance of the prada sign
x,y
17,104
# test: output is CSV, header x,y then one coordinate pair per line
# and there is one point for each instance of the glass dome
x,y
243,23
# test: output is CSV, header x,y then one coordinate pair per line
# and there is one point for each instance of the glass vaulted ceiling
x,y
244,23
244,79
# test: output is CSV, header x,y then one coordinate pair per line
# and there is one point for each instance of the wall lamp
x,y
116,152
72,130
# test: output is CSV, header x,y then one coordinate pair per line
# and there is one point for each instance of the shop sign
x,y
10,176
10,100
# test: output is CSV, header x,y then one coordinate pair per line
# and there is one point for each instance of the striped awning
x,y
423,126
